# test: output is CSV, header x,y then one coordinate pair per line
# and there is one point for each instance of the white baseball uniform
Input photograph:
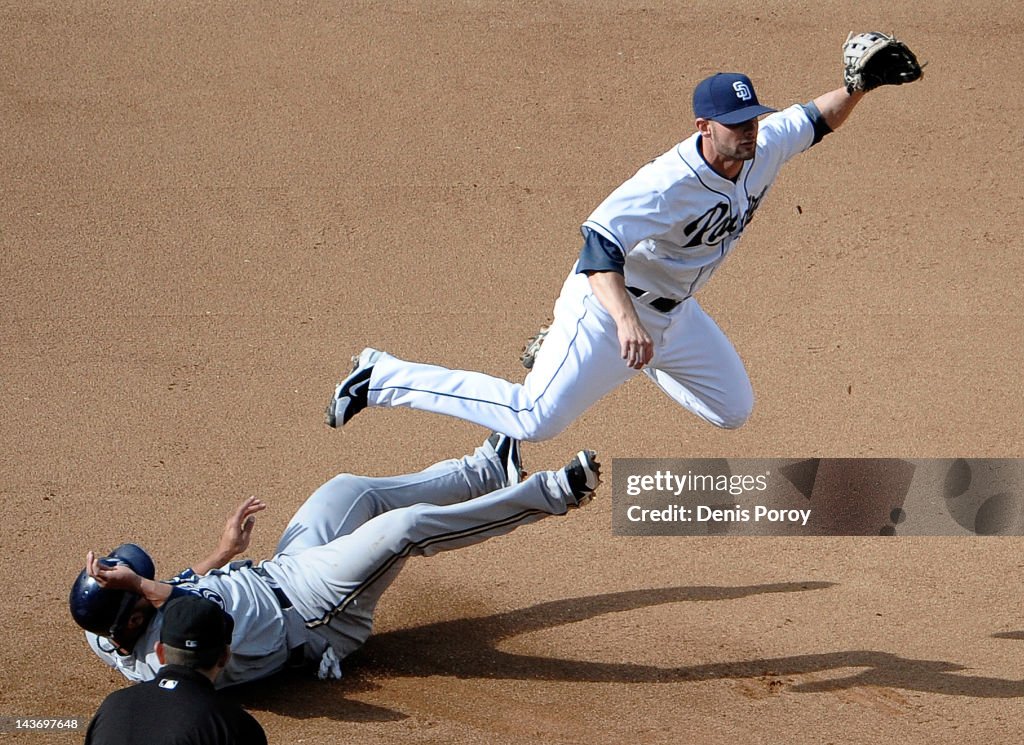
x,y
340,552
675,221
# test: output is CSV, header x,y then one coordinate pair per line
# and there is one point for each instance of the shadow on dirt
x,y
467,648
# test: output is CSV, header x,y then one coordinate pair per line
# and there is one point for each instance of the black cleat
x,y
508,450
584,476
350,396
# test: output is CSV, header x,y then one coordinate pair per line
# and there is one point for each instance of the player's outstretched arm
x,y
235,537
835,106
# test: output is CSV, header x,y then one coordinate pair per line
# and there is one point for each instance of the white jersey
x,y
674,221
677,219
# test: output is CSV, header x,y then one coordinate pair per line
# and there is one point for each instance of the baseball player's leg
x,y
697,365
345,578
347,501
578,364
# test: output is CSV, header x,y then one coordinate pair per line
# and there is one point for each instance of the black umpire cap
x,y
195,624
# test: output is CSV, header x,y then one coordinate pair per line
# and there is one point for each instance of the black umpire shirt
x,y
179,706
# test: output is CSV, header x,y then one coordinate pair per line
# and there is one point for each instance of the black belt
x,y
660,304
296,655
282,599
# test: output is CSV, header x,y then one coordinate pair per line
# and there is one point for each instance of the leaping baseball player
x,y
313,602
629,304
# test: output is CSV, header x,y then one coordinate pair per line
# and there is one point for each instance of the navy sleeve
x,y
821,127
599,254
177,591
184,577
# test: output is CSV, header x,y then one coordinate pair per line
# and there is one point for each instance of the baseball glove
x,y
873,59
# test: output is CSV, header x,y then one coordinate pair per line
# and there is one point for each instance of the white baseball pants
x,y
579,362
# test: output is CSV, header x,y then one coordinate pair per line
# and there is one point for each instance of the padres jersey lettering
x,y
676,219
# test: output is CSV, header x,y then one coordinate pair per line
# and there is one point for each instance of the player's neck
x,y
727,168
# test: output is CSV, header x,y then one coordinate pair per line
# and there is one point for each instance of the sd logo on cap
x,y
727,98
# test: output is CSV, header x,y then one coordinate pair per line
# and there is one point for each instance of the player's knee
x,y
409,522
410,517
540,427
734,421
341,492
347,483
737,414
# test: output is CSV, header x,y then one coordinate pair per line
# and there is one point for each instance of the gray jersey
x,y
260,643
339,553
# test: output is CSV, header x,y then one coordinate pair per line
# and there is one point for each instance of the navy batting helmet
x,y
101,610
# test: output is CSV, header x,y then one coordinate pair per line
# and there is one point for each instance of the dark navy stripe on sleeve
x,y
178,591
599,254
821,127
185,576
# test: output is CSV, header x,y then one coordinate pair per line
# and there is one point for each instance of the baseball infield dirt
x,y
208,207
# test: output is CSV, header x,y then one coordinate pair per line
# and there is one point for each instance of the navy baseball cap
x,y
195,623
727,98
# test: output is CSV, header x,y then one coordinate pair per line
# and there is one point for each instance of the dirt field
x,y
209,207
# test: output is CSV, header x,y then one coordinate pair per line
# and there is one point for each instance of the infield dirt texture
x,y
207,208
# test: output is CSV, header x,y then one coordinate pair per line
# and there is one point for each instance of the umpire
x,y
180,705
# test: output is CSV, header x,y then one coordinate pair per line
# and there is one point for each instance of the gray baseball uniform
x,y
342,549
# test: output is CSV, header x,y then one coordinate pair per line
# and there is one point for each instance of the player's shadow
x,y
468,648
